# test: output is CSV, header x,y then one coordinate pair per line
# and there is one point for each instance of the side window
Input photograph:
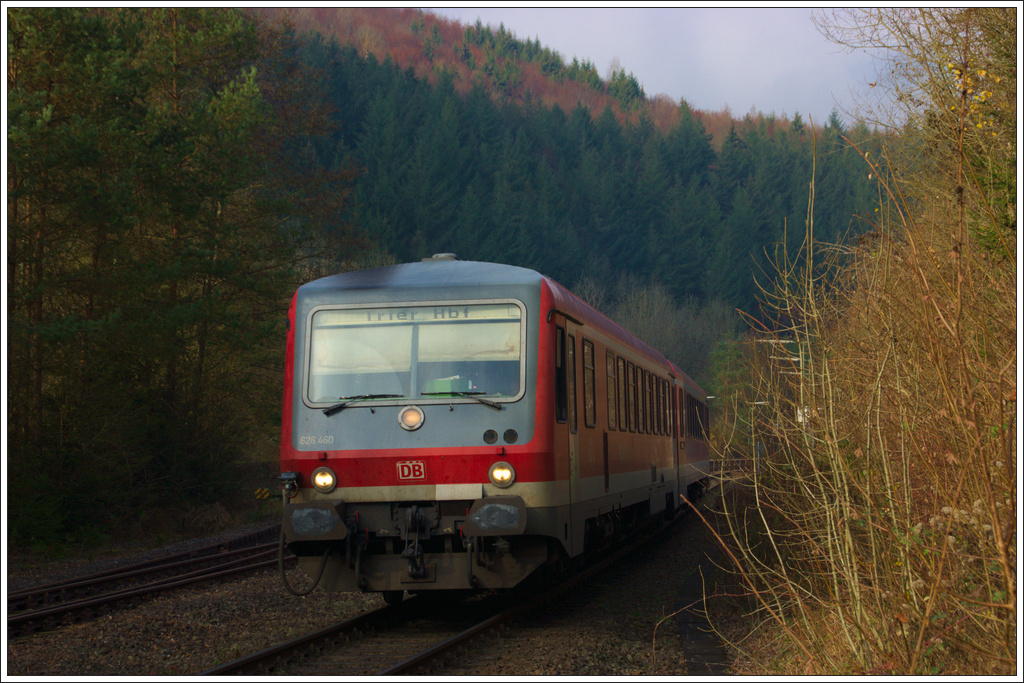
x,y
663,393
589,388
641,401
681,412
696,418
668,408
621,382
659,403
675,411
631,396
612,388
688,417
649,402
652,402
690,421
570,362
704,424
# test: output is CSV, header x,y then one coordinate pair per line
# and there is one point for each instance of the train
x,y
453,425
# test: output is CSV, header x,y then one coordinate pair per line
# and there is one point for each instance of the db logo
x,y
412,470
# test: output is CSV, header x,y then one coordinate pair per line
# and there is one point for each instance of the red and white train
x,y
457,425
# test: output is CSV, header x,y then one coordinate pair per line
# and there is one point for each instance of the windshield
x,y
416,352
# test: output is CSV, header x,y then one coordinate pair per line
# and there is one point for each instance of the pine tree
x,y
690,150
147,262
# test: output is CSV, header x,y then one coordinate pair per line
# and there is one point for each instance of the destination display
x,y
417,314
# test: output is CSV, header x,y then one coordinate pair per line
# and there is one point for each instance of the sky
x,y
773,60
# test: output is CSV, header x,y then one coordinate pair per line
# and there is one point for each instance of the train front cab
x,y
423,508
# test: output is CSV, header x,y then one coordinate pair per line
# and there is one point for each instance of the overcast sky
x,y
773,60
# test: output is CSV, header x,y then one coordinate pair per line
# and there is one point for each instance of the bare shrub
x,y
883,534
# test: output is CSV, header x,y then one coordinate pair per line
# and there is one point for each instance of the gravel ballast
x,y
620,626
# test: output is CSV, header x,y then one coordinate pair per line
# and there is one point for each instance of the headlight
x,y
411,418
502,474
324,479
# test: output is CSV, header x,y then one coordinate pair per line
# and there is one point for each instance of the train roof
x,y
429,273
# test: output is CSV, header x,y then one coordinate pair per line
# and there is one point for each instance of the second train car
x,y
457,425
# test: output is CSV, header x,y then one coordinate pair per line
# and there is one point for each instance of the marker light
x,y
502,475
324,480
411,418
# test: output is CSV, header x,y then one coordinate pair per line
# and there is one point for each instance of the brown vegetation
x,y
881,532
427,44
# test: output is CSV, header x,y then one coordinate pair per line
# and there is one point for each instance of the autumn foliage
x,y
509,68
883,406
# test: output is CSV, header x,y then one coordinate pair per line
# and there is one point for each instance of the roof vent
x,y
442,257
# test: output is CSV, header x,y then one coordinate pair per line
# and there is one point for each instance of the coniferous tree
x,y
145,249
690,150
733,258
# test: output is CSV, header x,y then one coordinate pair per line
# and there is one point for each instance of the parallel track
x,y
49,605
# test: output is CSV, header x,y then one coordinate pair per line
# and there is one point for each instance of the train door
x,y
566,334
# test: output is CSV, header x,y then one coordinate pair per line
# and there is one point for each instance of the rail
x,y
43,606
412,621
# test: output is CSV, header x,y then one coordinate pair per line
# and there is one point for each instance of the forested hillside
x,y
588,185
160,209
174,174
507,67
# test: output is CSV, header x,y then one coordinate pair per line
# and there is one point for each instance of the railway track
x,y
389,640
47,606
419,635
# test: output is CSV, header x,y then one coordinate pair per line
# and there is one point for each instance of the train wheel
x,y
393,597
693,492
558,566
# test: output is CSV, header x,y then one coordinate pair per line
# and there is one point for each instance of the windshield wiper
x,y
468,394
352,399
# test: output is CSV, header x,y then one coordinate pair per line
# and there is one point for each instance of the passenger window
x,y
621,382
667,391
648,402
589,390
631,396
659,427
639,389
611,389
689,416
570,362
641,421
